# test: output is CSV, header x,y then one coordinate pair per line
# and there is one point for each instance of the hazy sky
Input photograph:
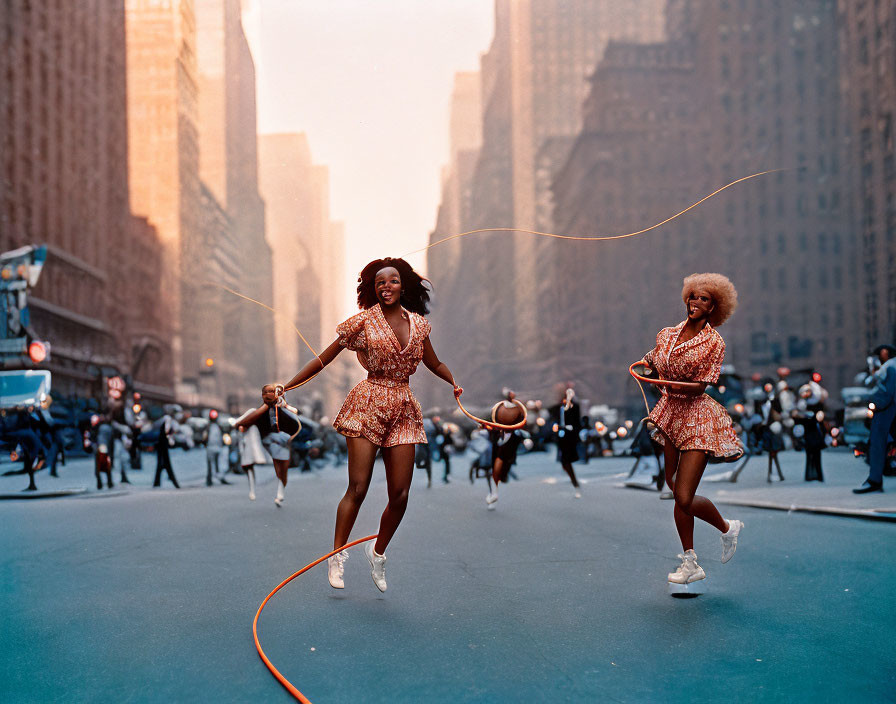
x,y
369,82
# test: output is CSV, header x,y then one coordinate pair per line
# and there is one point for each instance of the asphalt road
x,y
150,596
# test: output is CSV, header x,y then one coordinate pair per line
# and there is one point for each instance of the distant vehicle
x,y
856,415
27,387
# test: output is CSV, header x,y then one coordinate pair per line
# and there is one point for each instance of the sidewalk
x,y
76,477
842,473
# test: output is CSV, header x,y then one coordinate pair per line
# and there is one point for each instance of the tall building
x,y
288,189
246,207
443,262
191,112
631,165
868,84
766,74
533,82
64,171
739,88
228,166
308,256
163,148
465,138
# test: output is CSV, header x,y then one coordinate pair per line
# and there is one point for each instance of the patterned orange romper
x,y
692,422
382,407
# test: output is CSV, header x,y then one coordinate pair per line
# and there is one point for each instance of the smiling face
x,y
699,305
268,394
387,285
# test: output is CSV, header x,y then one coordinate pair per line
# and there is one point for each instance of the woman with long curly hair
x,y
690,425
391,337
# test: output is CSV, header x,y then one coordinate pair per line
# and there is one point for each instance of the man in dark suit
x,y
567,420
163,459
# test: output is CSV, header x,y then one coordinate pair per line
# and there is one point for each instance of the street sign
x,y
13,345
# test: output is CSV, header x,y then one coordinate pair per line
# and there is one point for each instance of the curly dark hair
x,y
414,288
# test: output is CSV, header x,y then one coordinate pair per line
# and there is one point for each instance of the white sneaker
x,y
278,501
667,496
578,494
377,566
490,501
729,539
336,569
689,571
251,496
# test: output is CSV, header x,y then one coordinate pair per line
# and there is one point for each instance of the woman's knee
x,y
356,491
683,499
399,498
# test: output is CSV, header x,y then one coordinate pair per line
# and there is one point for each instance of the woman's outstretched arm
x,y
251,418
315,365
437,367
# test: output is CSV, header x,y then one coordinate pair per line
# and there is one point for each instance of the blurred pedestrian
x,y
504,446
423,450
277,423
772,431
567,424
163,457
102,449
883,398
52,437
121,442
443,447
251,454
808,415
19,427
214,446
136,419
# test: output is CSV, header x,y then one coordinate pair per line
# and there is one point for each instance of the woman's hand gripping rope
x,y
491,424
693,386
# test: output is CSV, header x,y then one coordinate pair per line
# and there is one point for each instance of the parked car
x,y
856,415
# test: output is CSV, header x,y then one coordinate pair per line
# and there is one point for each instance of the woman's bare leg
x,y
670,461
691,465
281,469
567,467
361,456
399,461
497,472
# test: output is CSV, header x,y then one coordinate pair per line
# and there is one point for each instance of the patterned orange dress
x,y
692,422
382,407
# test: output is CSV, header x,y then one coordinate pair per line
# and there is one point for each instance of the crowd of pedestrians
x,y
776,414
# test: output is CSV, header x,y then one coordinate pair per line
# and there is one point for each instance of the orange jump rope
x,y
489,424
264,658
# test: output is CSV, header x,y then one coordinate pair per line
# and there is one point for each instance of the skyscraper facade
x,y
64,170
868,84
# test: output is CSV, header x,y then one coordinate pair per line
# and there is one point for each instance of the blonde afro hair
x,y
724,295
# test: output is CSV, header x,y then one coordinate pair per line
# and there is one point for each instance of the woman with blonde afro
x,y
690,425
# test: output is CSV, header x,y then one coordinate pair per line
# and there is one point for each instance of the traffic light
x,y
115,387
20,270
39,351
